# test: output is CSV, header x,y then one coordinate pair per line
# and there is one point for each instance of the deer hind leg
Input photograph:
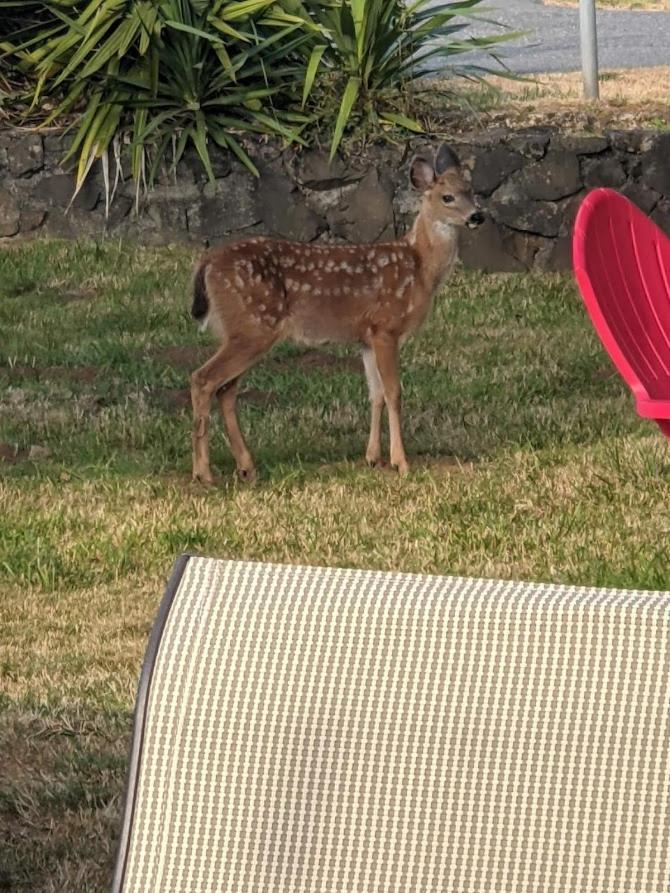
x,y
373,452
227,365
386,356
227,399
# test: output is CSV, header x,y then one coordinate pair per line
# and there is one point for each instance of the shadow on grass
x,y
61,786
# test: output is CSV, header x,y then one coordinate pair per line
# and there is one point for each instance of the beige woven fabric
x,y
333,730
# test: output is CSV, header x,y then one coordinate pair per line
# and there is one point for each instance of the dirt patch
x,y
73,295
179,399
171,399
189,358
85,374
62,296
19,291
10,453
317,360
257,397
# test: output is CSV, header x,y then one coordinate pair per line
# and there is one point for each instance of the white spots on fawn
x,y
305,286
239,282
403,285
383,260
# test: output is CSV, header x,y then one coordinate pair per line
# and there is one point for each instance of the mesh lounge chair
x,y
301,729
622,265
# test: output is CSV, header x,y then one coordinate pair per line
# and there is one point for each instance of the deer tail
x,y
200,305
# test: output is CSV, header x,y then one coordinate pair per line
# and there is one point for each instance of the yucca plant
x,y
17,25
376,48
163,73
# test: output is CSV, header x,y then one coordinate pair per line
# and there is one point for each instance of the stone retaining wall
x,y
530,182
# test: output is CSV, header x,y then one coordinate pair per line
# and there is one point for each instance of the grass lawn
x,y
528,458
653,5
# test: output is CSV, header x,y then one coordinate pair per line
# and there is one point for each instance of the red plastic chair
x,y
622,264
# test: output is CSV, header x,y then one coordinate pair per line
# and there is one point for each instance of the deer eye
x,y
447,199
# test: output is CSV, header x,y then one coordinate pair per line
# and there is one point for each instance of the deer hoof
x,y
247,475
206,480
402,466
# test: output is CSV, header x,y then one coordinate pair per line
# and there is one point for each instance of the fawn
x,y
260,291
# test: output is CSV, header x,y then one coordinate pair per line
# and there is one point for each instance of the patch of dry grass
x,y
624,85
629,98
636,5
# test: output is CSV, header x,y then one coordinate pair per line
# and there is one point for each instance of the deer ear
x,y
445,159
422,174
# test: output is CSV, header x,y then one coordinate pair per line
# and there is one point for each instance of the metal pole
x,y
589,44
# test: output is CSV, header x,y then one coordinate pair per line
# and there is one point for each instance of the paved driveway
x,y
625,39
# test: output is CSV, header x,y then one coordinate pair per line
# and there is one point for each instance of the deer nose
x,y
476,218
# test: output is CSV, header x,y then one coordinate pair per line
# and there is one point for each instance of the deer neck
x,y
436,243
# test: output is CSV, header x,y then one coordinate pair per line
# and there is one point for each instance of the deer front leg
x,y
386,355
227,365
373,452
227,399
